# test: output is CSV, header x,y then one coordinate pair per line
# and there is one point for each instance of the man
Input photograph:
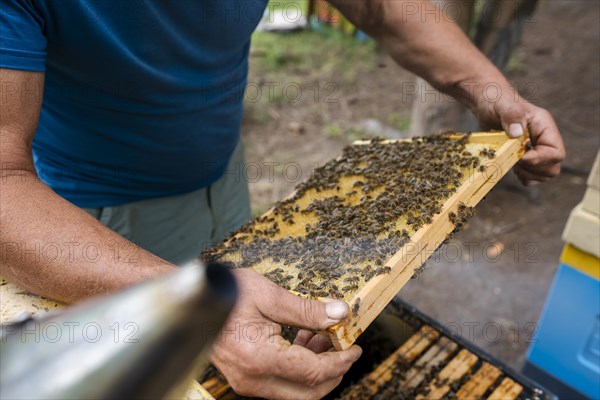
x,y
138,122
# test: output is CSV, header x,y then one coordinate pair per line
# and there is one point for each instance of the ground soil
x,y
491,281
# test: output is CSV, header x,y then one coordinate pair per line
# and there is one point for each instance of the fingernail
x,y
515,130
532,183
336,310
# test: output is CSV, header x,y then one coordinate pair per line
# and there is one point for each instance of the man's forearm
x,y
425,41
55,249
48,245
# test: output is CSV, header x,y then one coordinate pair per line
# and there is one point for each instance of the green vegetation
x,y
258,211
347,133
399,122
308,52
333,130
279,4
516,63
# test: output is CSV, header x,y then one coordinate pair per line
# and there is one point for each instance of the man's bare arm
x,y
49,245
425,41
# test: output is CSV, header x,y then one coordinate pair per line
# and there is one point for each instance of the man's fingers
x,y
278,388
512,118
279,305
543,161
301,365
542,171
293,371
544,128
303,337
542,155
540,163
283,307
270,366
319,343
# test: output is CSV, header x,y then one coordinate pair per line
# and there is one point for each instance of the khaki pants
x,y
178,228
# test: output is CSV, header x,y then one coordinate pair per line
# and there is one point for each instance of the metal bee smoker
x,y
147,341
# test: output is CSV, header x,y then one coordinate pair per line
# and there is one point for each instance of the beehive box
x,y
363,224
407,355
434,363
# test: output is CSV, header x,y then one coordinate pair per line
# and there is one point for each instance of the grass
x,y
280,4
333,130
399,122
308,51
516,63
258,211
342,131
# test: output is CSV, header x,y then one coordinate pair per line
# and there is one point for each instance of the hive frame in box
x,y
377,293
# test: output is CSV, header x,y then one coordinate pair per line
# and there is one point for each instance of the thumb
x,y
289,309
512,118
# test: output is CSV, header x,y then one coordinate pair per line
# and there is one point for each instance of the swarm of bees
x,y
459,219
357,212
487,153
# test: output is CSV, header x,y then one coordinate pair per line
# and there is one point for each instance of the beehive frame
x,y
368,300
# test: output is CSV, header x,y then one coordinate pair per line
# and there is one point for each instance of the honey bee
x,y
355,308
350,287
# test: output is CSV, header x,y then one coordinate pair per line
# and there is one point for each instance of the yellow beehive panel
x,y
362,224
452,372
479,383
390,371
407,353
507,390
17,303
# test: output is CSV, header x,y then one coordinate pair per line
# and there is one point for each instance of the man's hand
x,y
514,115
257,361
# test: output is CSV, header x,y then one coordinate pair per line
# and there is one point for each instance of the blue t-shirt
x,y
142,99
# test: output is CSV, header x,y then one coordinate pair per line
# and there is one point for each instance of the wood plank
x,y
507,390
479,383
456,369
496,138
408,352
377,293
216,386
417,374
